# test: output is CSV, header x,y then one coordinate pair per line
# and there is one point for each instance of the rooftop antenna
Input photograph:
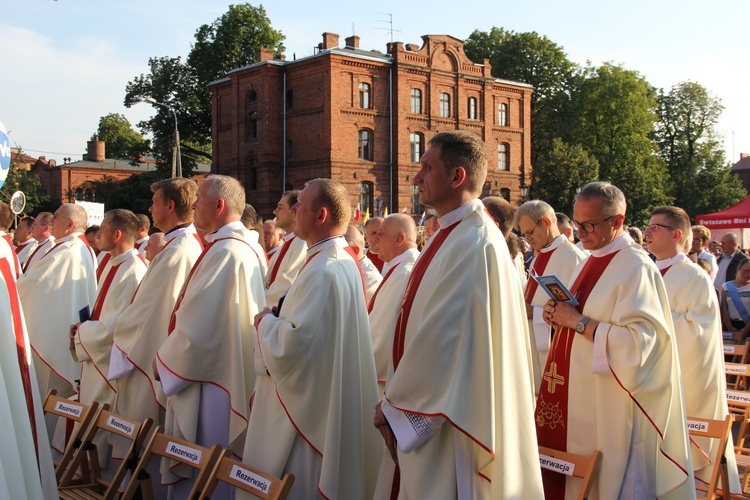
x,y
389,29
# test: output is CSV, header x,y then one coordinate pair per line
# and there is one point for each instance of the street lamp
x,y
176,157
524,192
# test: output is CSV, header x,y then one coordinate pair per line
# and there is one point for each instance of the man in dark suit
x,y
730,257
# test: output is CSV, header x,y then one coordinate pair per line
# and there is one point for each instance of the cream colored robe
x,y
289,267
254,240
372,277
562,263
634,354
467,359
697,326
24,472
316,386
212,343
53,291
142,328
40,251
25,250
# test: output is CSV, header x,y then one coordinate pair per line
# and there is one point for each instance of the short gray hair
x,y
610,194
228,189
535,210
77,214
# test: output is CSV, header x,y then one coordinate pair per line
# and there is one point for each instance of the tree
x,y
231,41
701,180
120,138
563,170
23,180
133,193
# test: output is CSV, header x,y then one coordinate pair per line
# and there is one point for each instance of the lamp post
x,y
524,192
176,157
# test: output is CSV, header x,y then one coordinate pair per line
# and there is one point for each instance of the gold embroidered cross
x,y
553,378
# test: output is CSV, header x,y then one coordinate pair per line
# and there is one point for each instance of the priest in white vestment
x,y
142,238
370,229
205,364
555,255
285,263
370,273
697,326
612,382
26,469
459,398
41,230
57,292
92,339
25,242
316,383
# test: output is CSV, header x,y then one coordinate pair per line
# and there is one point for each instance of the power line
x,y
50,152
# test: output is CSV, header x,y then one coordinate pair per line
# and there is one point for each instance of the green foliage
x,y
565,169
231,41
120,138
27,182
133,193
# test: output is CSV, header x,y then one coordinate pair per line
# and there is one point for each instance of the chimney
x,y
330,41
95,150
352,42
744,155
265,54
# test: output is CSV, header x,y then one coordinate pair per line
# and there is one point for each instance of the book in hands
x,y
555,289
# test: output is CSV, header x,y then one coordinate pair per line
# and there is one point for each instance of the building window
x,y
251,176
502,115
364,95
505,194
416,101
252,96
417,146
365,144
502,157
416,206
445,105
289,99
251,127
365,197
472,111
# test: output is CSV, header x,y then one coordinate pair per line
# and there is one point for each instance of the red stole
x,y
101,266
277,264
102,295
551,413
399,337
353,254
540,264
18,326
376,260
375,295
664,271
88,246
15,256
31,257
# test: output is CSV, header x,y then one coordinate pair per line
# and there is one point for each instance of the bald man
x,y
156,244
729,258
370,272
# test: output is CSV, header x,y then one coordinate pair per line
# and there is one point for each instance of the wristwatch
x,y
581,325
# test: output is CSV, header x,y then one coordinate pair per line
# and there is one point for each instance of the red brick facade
x,y
338,94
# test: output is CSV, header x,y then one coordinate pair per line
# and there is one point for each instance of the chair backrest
x,y
570,464
737,374
185,452
738,353
131,430
239,475
74,411
719,430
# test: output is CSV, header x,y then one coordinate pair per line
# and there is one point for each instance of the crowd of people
x,y
368,364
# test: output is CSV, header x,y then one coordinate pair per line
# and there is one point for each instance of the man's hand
x,y
381,423
72,331
562,314
263,313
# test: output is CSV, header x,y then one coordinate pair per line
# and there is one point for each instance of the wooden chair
x,y
239,475
736,353
720,430
737,374
88,457
193,455
570,464
76,412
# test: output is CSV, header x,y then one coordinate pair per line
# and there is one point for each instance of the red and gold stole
x,y
173,317
664,271
96,312
277,264
551,413
101,266
540,264
375,295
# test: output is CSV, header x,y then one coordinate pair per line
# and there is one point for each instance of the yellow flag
x,y
385,212
367,216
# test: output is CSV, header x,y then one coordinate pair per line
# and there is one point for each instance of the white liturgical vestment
x,y
697,326
142,328
621,393
559,258
460,391
284,267
372,277
205,364
316,386
53,293
40,251
24,251
8,252
26,469
254,240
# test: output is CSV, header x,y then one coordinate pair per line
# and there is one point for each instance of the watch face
x,y
580,327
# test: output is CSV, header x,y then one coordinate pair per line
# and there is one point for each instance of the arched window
x,y
445,105
416,206
416,101
505,193
502,114
364,95
472,108
365,144
503,162
252,96
365,196
251,127
416,141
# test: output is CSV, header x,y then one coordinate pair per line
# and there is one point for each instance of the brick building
x,y
364,118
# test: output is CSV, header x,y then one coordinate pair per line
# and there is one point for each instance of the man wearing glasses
x,y
555,254
41,230
611,381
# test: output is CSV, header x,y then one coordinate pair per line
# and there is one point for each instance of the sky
x,y
66,63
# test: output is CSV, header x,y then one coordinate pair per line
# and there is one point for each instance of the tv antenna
x,y
389,21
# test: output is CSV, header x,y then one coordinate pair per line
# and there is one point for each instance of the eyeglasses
x,y
530,233
655,227
588,227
